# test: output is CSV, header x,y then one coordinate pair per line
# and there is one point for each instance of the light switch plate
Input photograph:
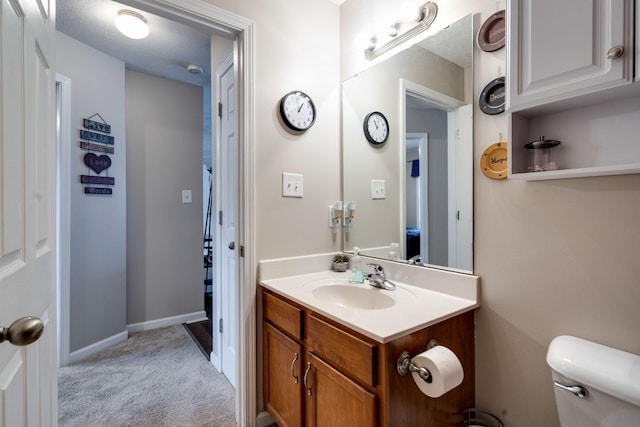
x,y
292,185
186,196
378,189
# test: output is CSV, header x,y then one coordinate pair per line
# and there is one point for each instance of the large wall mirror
x,y
413,194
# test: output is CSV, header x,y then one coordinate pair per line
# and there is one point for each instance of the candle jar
x,y
542,154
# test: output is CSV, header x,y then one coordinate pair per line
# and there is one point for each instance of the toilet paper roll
x,y
445,367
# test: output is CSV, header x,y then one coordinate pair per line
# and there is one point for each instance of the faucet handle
x,y
377,268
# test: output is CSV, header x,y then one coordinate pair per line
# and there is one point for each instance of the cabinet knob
x,y
615,52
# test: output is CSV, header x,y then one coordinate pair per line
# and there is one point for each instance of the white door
x,y
27,211
228,202
460,157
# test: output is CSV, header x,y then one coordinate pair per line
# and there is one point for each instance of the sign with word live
x,y
92,125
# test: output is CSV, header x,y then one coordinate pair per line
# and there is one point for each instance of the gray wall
x,y
98,223
164,157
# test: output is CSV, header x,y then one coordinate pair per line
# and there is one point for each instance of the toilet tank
x,y
595,385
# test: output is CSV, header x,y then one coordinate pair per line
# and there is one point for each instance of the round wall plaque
x,y
492,98
491,35
493,161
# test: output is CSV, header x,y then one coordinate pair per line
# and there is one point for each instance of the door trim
x,y
63,147
232,25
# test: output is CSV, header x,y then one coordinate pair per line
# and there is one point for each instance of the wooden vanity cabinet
x,y
318,372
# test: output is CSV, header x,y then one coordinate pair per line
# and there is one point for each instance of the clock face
x,y
376,128
297,110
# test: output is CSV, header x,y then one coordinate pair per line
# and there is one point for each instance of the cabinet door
x,y
560,49
333,400
283,397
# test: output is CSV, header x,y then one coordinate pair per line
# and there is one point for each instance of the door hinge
x,y
220,326
241,251
458,215
220,109
219,217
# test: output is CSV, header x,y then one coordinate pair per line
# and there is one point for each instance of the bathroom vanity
x,y
330,350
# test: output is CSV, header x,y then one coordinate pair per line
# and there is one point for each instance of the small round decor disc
x,y
491,36
493,161
492,98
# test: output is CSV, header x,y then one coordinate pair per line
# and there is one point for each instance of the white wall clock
x,y
297,110
376,128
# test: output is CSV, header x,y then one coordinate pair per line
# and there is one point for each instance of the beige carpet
x,y
155,378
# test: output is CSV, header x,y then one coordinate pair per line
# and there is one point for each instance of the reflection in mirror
x,y
414,193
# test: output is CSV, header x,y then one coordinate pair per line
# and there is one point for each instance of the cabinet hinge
x,y
219,217
241,251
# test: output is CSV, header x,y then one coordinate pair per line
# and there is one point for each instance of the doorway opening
x,y
241,30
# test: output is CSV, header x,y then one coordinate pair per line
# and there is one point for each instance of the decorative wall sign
x,y
492,98
97,190
493,161
97,163
97,137
96,147
491,35
100,127
97,180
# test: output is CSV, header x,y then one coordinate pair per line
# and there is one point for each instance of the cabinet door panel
x,y
558,49
342,350
283,397
333,400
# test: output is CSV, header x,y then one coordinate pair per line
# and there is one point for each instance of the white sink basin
x,y
351,296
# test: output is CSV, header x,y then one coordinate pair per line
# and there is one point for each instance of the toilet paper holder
x,y
404,365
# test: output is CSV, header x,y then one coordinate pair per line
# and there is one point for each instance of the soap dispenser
x,y
356,275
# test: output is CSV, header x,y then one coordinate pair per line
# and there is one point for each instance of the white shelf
x,y
578,173
596,140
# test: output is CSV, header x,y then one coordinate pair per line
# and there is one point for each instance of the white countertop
x,y
414,307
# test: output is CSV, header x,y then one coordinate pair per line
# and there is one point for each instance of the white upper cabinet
x,y
560,50
570,78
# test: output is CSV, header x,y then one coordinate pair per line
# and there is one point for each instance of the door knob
x,y
23,331
232,245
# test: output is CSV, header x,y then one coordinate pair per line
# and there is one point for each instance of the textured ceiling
x,y
167,51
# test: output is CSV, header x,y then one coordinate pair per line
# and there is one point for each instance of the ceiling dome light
x,y
132,24
195,69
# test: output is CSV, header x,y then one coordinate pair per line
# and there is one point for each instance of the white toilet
x,y
595,385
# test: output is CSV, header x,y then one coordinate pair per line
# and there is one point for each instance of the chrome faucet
x,y
378,279
417,260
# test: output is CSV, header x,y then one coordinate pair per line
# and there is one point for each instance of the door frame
x,y
243,30
63,208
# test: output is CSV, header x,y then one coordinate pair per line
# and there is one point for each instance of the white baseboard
x,y
167,321
94,348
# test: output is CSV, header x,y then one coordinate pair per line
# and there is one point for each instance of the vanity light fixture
x,y
132,24
423,19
